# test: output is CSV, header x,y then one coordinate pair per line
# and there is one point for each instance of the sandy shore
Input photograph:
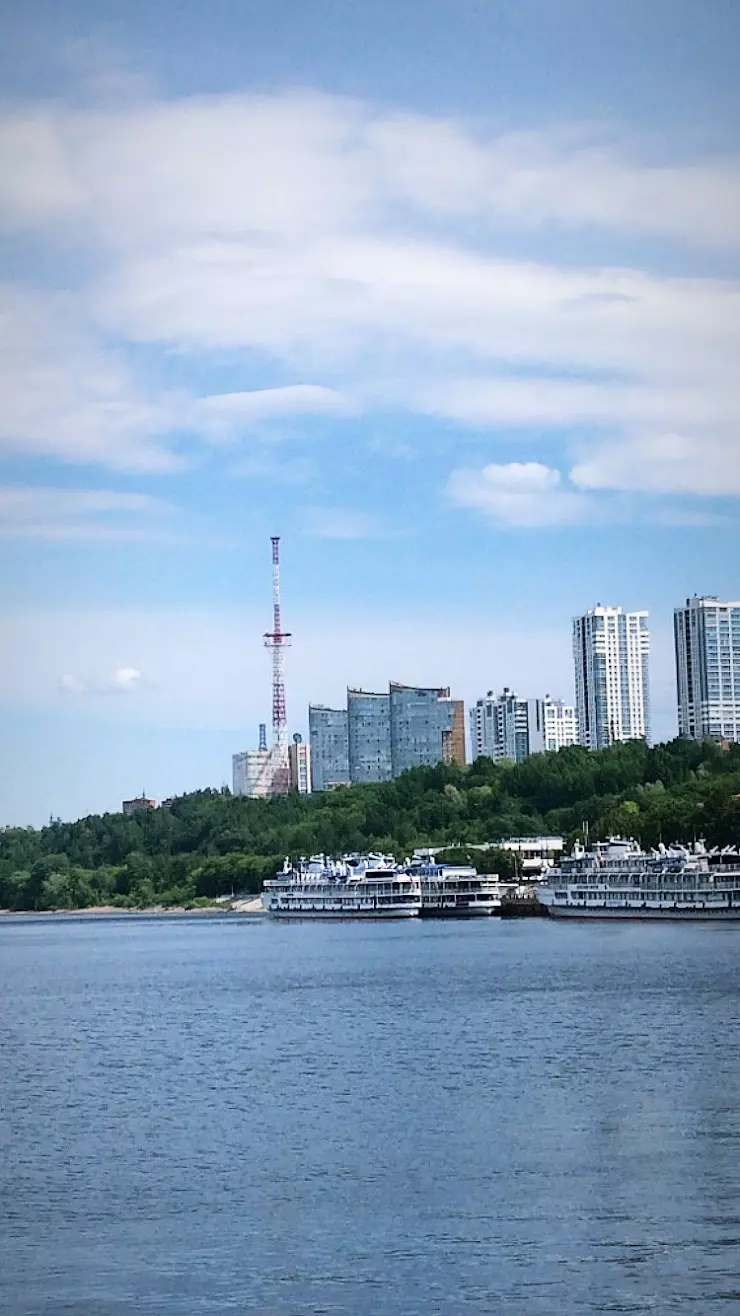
x,y
253,905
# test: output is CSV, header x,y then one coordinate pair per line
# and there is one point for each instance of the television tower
x,y
277,640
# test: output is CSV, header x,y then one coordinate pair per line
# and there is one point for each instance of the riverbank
x,y
253,905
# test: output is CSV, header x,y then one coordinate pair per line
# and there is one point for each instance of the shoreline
x,y
252,906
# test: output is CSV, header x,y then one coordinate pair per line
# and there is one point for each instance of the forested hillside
x,y
211,843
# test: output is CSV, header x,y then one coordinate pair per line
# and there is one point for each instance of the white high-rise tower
x,y
707,635
610,653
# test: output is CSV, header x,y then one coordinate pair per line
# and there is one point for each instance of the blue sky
x,y
446,294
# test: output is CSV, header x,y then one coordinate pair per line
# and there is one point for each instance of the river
x,y
215,1115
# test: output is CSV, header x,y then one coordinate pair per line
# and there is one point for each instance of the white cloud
x,y
292,163
123,681
576,178
664,463
494,401
355,246
226,414
517,494
32,511
64,394
24,502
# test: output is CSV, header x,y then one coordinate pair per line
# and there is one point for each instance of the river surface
x,y
203,1116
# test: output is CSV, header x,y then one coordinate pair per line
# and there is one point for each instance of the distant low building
x,y
533,853
252,773
141,802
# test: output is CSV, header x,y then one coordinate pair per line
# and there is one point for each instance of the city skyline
x,y
534,704
446,295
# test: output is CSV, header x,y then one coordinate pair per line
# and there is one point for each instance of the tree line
x,y
211,843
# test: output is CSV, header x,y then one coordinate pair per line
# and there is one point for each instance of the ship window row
x,y
471,887
626,894
326,900
342,887
664,881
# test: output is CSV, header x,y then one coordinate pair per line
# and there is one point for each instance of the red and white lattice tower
x,y
277,640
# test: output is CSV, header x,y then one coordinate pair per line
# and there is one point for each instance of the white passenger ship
x,y
354,887
455,890
616,879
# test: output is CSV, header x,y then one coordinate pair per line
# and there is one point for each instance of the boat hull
x,y
345,915
461,911
731,914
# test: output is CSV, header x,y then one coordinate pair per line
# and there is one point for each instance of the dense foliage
x,y
210,843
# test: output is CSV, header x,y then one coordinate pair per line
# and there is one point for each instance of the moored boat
x,y
353,887
456,890
617,879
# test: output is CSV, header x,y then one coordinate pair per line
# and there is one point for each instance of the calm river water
x,y
222,1115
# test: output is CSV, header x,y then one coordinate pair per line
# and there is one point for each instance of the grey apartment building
x,y
327,728
382,734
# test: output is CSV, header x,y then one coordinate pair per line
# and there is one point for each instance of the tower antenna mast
x,y
277,640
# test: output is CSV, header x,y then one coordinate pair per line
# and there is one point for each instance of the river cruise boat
x,y
616,879
456,890
353,887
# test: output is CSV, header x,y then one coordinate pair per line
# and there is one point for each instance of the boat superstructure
x,y
355,886
617,879
455,890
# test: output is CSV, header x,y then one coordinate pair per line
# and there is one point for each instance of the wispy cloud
x,y
525,494
302,163
344,245
225,415
123,681
28,511
664,463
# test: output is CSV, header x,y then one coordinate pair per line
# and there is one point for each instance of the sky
x,y
443,292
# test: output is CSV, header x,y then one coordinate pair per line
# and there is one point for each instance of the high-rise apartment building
x,y
610,653
427,727
707,638
328,736
498,727
551,725
369,735
299,759
507,727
